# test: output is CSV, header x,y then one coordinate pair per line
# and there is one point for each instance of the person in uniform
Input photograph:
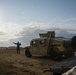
x,y
18,47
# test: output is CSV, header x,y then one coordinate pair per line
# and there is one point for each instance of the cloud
x,y
70,19
14,32
32,31
10,29
2,33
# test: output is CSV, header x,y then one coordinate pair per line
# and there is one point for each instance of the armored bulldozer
x,y
49,45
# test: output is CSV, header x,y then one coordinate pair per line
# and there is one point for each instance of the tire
x,y
54,55
68,54
27,53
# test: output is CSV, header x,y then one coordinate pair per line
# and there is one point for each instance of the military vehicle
x,y
49,45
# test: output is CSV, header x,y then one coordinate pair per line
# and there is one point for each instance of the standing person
x,y
18,47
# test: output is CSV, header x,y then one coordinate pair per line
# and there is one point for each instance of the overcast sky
x,y
23,20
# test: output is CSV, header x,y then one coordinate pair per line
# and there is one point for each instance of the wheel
x,y
27,52
54,55
68,54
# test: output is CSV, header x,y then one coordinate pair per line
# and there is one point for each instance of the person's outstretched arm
x,y
14,43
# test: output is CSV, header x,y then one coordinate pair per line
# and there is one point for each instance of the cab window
x,y
33,42
42,42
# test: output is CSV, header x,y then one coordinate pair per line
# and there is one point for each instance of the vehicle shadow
x,y
46,58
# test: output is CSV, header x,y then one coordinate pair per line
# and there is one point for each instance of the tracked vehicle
x,y
50,45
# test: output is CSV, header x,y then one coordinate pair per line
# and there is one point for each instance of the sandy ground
x,y
31,66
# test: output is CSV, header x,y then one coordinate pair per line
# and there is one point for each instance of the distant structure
x,y
3,48
11,47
